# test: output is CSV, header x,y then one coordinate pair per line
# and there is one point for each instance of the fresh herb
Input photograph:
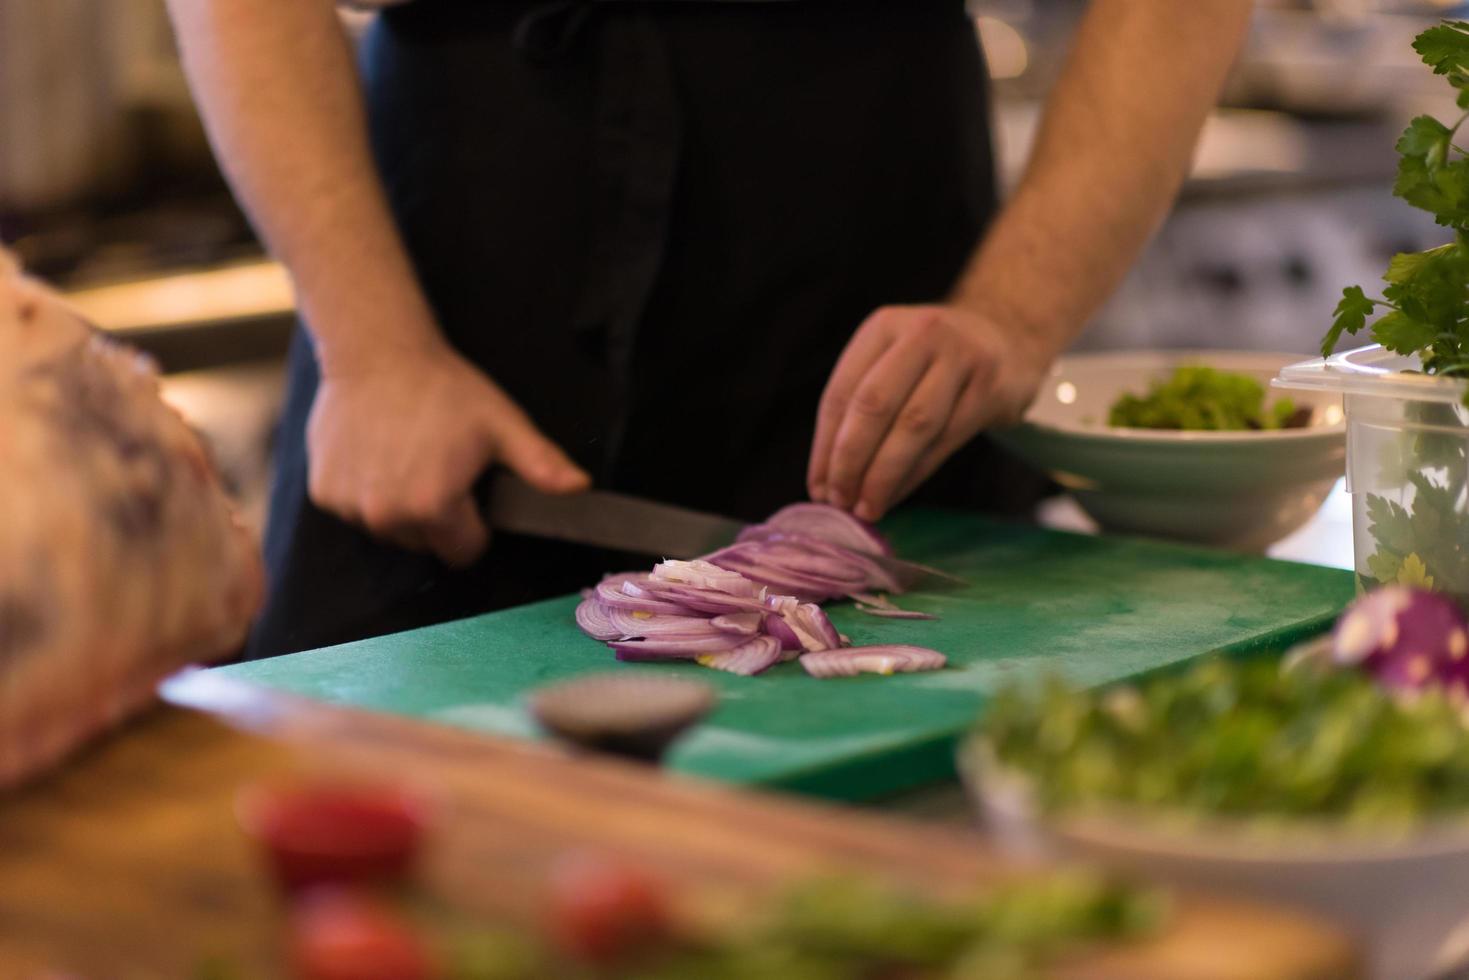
x,y
1240,739
849,927
1422,542
1425,305
1201,398
1424,312
834,928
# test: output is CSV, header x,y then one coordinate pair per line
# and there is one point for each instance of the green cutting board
x,y
1094,609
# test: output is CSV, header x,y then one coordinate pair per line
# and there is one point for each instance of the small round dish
x,y
1405,898
1239,490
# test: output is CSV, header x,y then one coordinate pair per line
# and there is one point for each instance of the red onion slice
x,y
777,628
746,623
827,523
754,565
802,565
709,601
650,625
886,659
813,621
593,620
894,613
747,659
807,622
677,647
627,595
704,575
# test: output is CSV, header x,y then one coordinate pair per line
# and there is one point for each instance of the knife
x,y
625,523
605,519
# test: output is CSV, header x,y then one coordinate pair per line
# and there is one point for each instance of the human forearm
x,y
280,98
917,383
401,426
1114,146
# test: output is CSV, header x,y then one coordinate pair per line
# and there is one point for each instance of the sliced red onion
x,y
887,659
894,613
627,595
777,628
804,566
874,604
752,561
1406,638
813,621
705,575
677,647
747,623
652,625
755,603
806,620
747,659
710,601
593,620
825,522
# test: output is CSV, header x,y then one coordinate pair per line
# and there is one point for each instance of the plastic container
x,y
1407,466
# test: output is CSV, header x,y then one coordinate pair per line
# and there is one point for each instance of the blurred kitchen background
x,y
108,190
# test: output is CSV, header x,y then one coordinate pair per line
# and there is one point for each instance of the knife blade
x,y
626,523
605,519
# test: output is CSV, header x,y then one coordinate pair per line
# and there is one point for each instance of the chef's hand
x,y
396,446
914,384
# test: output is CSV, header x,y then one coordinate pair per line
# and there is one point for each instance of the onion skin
x,y
1407,638
886,659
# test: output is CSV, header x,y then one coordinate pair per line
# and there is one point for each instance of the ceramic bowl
x,y
1239,490
1405,900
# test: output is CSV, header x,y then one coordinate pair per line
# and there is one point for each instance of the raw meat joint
x,y
120,556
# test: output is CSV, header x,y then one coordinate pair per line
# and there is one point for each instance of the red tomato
x,y
603,910
337,935
335,833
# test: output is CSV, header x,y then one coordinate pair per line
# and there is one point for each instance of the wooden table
x,y
128,863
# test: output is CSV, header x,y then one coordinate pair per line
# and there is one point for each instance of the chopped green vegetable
x,y
1201,398
841,927
846,927
1242,740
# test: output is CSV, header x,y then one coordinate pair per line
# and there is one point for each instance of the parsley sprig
x,y
1424,308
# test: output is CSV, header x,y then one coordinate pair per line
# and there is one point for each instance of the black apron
x,y
655,225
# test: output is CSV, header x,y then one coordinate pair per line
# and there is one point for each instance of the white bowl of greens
x,y
1249,468
1301,786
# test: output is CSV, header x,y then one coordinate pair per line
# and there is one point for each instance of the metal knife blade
x,y
605,519
626,523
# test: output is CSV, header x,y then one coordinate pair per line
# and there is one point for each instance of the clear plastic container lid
x,y
1373,371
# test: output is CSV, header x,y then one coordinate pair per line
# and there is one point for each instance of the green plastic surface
x,y
1095,609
